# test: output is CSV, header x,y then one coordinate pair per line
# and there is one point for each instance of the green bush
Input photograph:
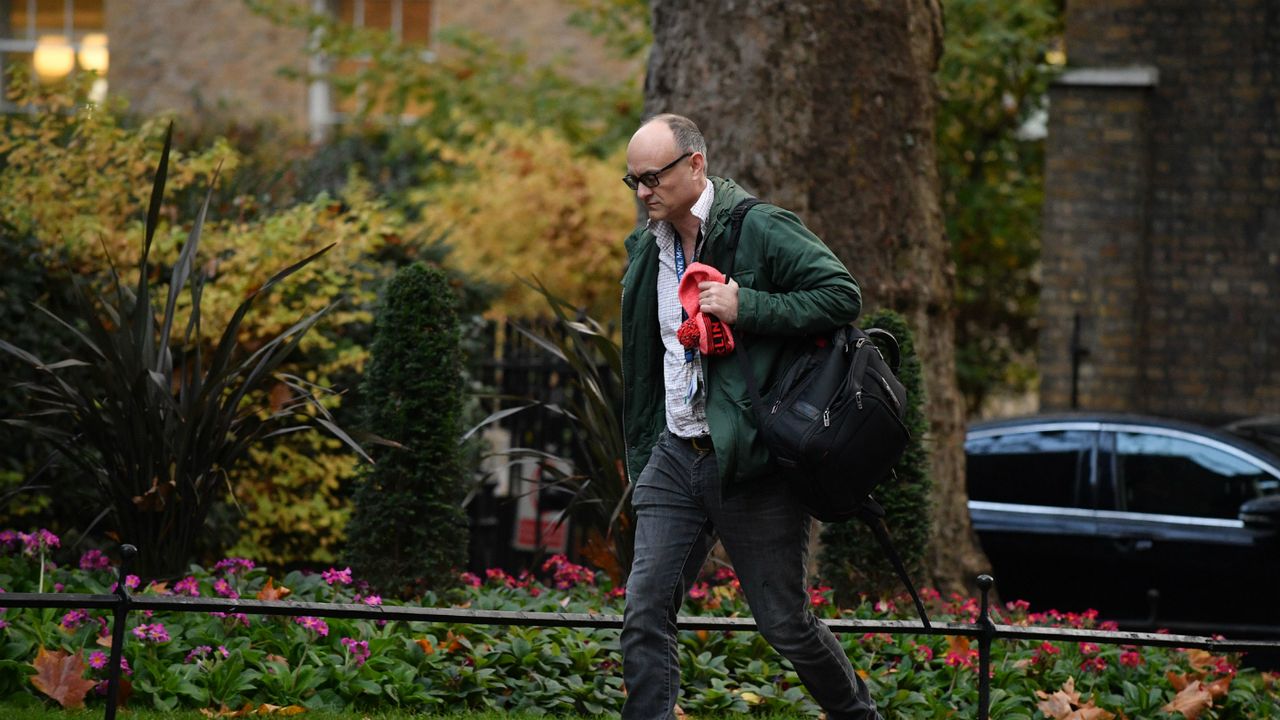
x,y
408,526
851,560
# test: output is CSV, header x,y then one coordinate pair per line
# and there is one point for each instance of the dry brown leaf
x,y
1179,682
1190,701
1064,704
1091,712
1061,703
426,646
1218,688
61,677
271,592
269,709
1200,659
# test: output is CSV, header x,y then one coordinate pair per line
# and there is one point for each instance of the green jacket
x,y
791,285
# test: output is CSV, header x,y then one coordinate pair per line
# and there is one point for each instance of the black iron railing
x,y
983,628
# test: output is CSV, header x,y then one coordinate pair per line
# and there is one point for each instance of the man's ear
x,y
698,163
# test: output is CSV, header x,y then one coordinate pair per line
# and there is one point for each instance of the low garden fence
x,y
983,629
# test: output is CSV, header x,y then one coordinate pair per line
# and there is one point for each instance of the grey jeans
x,y
679,514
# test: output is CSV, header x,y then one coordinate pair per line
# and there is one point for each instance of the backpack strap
x,y
735,231
872,513
736,219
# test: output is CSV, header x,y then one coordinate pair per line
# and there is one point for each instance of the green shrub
x,y
144,417
851,560
408,526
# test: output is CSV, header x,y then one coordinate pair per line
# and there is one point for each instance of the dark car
x,y
1154,523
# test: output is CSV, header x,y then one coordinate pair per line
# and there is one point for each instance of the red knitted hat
x,y
712,336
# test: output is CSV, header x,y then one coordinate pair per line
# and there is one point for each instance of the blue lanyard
x,y
680,265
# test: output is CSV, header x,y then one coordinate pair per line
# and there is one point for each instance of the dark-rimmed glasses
x,y
650,179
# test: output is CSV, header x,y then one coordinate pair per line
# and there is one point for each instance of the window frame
x,y
1116,480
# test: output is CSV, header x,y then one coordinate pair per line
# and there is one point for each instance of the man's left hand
x,y
719,299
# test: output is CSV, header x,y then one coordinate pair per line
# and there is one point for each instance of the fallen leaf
x,y
426,646
1190,701
1200,659
1064,704
271,592
1218,688
61,677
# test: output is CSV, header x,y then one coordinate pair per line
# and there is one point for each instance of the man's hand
x,y
719,299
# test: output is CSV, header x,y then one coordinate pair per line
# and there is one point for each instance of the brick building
x,y
218,57
1161,259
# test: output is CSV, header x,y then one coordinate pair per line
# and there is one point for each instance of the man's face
x,y
653,148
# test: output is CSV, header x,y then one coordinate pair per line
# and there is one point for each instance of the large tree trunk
x,y
826,107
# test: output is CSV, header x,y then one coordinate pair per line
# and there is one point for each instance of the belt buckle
x,y
701,443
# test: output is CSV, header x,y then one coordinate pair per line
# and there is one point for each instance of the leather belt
x,y
700,443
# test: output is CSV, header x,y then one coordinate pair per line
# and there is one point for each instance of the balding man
x,y
699,471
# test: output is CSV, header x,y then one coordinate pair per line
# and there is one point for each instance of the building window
x,y
409,21
53,39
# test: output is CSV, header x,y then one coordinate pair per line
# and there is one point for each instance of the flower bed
x,y
227,661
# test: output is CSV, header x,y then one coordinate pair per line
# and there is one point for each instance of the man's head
x,y
667,165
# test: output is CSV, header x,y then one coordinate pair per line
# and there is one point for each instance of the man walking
x,y
698,468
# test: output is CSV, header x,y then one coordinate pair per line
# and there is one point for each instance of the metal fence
x,y
983,629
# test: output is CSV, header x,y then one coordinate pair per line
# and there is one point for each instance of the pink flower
x,y
9,541
471,579
187,586
201,651
1130,658
74,619
568,574
1096,664
223,588
235,618
359,649
923,653
341,577
1018,606
155,633
1222,666
38,541
698,591
94,560
1048,648
818,597
231,566
1088,648
374,600
316,625
97,659
132,581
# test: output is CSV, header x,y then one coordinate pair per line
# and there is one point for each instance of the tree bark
x,y
826,107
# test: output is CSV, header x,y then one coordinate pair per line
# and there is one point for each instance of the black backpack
x,y
833,421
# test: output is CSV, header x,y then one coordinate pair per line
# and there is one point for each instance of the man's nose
x,y
643,191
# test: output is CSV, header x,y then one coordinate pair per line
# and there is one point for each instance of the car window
x,y
1029,468
1176,476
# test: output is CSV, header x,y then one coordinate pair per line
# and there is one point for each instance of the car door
x,y
1172,524
1031,501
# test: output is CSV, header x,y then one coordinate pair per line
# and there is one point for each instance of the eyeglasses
x,y
650,179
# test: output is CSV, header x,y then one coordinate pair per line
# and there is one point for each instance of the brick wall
x,y
1162,210
199,58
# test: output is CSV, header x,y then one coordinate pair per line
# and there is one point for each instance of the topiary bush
x,y
408,529
851,560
